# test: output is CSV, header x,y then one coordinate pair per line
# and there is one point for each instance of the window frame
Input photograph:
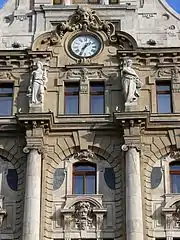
x,y
167,92
84,174
173,172
7,85
91,93
66,93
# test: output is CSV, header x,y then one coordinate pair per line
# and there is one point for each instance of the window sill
x,y
84,118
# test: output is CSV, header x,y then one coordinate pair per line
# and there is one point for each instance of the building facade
x,y
89,120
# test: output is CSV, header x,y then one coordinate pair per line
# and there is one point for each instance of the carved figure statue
x,y
131,82
37,85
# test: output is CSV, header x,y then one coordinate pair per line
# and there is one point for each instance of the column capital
x,y
40,149
126,147
34,143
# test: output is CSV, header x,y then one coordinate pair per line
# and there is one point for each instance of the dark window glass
x,y
163,92
175,177
6,99
12,179
71,98
113,1
84,178
97,98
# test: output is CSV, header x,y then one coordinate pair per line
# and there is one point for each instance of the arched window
x,y
84,178
175,176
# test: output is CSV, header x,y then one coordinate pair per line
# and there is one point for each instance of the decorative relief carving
x,y
173,217
84,155
5,75
175,155
164,72
85,19
84,88
85,74
148,15
84,217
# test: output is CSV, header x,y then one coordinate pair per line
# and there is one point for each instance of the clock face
x,y
85,46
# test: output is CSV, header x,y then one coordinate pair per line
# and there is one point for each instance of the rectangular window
x,y
97,98
164,99
6,99
71,98
84,178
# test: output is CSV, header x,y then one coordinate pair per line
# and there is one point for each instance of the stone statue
x,y
37,85
131,83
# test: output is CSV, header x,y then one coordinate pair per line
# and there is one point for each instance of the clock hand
x,y
84,47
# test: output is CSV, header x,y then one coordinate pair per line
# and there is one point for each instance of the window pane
x,y
175,183
175,167
84,168
97,98
71,98
90,184
78,184
97,104
5,106
71,104
163,87
164,103
6,88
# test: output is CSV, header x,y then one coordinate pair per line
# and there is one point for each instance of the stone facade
x,y
131,144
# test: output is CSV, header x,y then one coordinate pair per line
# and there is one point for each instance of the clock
x,y
85,45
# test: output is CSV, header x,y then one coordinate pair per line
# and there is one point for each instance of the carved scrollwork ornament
x,y
83,19
84,155
126,147
40,149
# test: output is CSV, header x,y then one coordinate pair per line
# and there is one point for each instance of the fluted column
x,y
31,221
134,216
